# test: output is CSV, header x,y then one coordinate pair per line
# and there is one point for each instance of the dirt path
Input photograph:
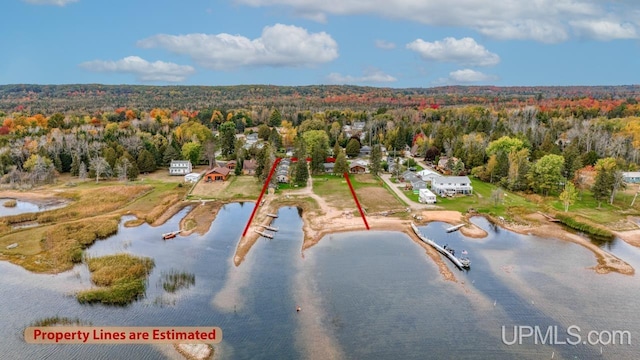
x,y
415,207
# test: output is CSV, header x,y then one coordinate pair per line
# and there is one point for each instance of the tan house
x,y
249,167
217,174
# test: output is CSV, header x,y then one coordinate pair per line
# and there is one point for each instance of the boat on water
x,y
171,235
462,263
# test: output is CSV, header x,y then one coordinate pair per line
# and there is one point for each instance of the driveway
x,y
413,205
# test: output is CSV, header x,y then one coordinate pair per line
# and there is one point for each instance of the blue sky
x,y
388,43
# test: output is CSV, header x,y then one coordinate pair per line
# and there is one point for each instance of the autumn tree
x,y
518,170
192,151
546,174
569,195
608,180
313,138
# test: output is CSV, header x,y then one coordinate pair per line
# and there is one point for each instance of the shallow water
x,y
364,295
21,207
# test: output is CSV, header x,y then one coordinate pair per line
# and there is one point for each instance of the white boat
x,y
462,263
454,228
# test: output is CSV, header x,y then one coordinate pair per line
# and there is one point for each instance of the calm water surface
x,y
370,295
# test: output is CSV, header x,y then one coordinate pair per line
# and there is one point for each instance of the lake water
x,y
23,207
364,295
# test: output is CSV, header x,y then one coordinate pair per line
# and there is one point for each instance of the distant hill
x,y
95,97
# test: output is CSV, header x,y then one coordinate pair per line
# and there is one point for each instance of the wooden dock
x,y
454,228
267,227
264,234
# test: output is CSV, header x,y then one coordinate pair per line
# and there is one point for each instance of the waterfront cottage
x,y
451,185
180,167
217,174
425,196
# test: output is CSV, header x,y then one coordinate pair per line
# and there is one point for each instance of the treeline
x,y
90,98
523,147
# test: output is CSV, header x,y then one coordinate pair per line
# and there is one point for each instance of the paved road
x,y
413,205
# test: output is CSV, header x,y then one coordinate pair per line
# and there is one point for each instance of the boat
x,y
170,235
461,263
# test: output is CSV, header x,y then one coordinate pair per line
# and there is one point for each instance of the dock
x,y
272,215
264,234
267,227
461,264
454,228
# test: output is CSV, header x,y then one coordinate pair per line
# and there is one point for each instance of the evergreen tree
x,y
146,163
170,154
353,148
341,165
301,172
318,157
75,165
275,119
275,139
375,160
227,138
336,149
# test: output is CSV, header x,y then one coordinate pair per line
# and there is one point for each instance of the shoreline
x,y
318,223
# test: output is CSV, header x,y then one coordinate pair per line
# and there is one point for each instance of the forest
x,y
528,139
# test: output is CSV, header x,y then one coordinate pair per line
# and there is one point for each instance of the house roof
x,y
453,179
249,164
329,165
631,174
219,170
175,162
354,165
426,192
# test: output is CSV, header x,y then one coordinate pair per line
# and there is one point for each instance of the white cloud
x,y
369,76
51,2
546,21
466,76
279,45
465,51
142,69
385,45
604,30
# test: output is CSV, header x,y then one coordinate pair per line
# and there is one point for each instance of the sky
x,y
382,43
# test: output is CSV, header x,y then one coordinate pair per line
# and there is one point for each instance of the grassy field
x,y
237,187
373,196
121,278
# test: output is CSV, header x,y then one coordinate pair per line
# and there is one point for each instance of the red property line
x,y
264,188
346,175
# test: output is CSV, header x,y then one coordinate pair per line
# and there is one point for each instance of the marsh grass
x,y
175,280
10,203
59,321
122,278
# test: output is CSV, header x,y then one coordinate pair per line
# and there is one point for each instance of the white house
x,y
451,185
631,177
427,197
192,177
427,175
180,167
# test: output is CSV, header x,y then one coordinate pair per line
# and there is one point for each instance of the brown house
x,y
217,174
357,169
231,165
